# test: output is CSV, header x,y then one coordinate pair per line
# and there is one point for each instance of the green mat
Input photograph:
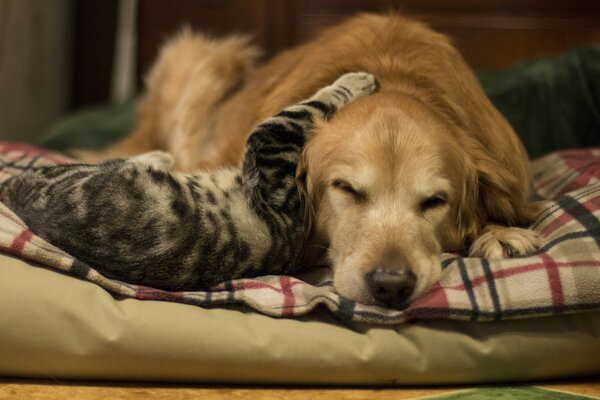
x,y
510,393
552,104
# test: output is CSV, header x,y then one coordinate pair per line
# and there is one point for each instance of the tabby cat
x,y
135,221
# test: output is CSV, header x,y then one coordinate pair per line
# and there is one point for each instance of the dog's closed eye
x,y
436,201
359,196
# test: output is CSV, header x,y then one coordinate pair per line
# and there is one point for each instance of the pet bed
x,y
562,276
541,311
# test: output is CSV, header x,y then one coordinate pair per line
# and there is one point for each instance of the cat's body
x,y
135,221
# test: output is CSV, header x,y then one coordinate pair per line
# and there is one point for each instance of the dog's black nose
x,y
391,288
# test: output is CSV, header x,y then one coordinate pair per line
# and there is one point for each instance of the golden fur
x,y
424,165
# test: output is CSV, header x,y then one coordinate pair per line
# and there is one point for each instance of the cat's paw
x,y
157,159
505,242
356,84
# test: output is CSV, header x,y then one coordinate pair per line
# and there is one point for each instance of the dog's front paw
x,y
504,242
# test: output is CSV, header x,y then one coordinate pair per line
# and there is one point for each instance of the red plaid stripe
x,y
19,243
556,289
564,276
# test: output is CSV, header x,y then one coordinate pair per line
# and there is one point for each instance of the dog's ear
x,y
302,174
465,209
502,190
305,190
492,192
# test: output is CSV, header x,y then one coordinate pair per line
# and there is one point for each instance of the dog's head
x,y
391,187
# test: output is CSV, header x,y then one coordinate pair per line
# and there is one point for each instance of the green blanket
x,y
552,103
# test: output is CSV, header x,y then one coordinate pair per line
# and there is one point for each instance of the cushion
x,y
563,276
60,327
98,328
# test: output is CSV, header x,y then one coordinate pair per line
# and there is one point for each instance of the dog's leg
x,y
497,241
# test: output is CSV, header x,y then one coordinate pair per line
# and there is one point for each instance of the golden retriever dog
x,y
424,165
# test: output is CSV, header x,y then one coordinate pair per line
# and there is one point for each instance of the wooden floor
x,y
50,390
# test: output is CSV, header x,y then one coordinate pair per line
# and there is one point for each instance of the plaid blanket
x,y
562,277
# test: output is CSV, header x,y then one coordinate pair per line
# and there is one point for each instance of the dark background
x,y
490,33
